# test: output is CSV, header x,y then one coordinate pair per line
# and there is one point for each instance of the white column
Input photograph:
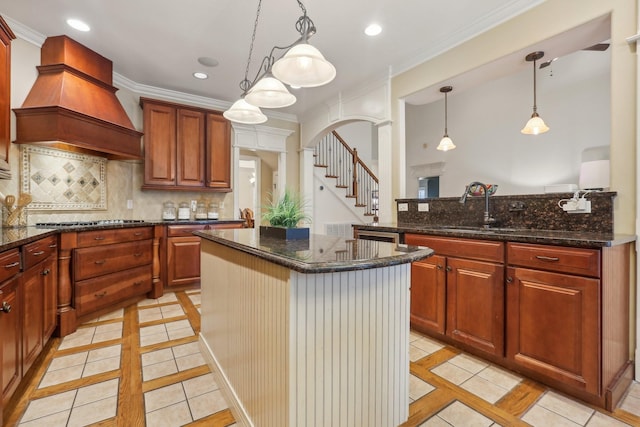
x,y
306,183
385,174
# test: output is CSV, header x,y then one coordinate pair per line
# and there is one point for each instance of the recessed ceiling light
x,y
199,75
78,24
208,61
373,30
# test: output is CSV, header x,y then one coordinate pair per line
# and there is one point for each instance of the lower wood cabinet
x,y
11,343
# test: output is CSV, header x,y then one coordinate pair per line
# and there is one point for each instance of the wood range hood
x,y
72,105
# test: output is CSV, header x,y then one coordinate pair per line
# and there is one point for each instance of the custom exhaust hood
x,y
72,105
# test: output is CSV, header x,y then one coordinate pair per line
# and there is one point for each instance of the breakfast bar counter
x,y
308,332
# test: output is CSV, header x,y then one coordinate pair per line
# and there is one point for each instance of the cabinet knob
x,y
6,307
449,268
46,272
438,266
509,279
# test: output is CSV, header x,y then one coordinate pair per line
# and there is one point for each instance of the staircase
x,y
342,163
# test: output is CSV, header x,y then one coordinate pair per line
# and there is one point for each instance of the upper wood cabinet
x,y
185,148
6,35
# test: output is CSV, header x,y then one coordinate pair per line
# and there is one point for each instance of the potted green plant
x,y
284,216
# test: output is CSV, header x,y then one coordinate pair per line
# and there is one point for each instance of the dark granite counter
x,y
581,239
196,222
320,253
13,237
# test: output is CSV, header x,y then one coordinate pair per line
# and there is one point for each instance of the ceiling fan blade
x,y
600,47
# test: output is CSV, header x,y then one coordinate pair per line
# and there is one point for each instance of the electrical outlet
x,y
403,207
194,204
423,207
129,204
582,208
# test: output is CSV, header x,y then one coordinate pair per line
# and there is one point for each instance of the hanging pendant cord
x,y
535,108
445,115
245,84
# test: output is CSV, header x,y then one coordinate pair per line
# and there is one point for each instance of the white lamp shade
x,y
535,126
243,112
304,66
269,92
446,144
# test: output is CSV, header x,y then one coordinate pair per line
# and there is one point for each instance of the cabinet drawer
x,y
482,250
9,264
33,253
585,262
111,235
100,260
94,294
184,230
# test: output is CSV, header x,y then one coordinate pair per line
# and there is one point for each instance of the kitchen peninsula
x,y
309,332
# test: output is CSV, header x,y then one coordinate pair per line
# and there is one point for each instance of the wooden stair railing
x,y
343,164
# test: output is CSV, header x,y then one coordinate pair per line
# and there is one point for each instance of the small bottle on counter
x,y
183,211
168,211
201,210
212,213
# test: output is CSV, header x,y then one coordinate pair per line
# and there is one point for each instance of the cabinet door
x,y
475,304
553,327
159,144
6,35
183,260
190,148
49,274
428,294
10,301
218,152
33,315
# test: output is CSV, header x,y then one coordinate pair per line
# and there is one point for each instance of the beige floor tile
x,y
460,415
174,310
186,349
435,421
175,334
68,361
163,397
414,336
416,354
452,373
116,326
199,385
631,404
95,392
152,330
149,314
427,345
106,336
154,339
49,405
538,416
484,389
158,370
75,341
171,416
93,412
634,389
178,324
204,405
190,361
168,297
157,356
469,363
500,377
568,408
61,376
58,419
196,299
418,387
104,353
100,366
601,420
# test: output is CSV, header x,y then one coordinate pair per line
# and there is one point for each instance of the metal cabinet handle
x,y
509,279
137,254
37,253
100,261
449,268
13,264
55,245
100,295
6,307
46,272
99,238
547,258
138,283
438,266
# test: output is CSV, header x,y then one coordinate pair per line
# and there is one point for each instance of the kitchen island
x,y
310,332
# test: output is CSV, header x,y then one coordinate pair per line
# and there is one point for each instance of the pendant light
x,y
243,112
446,143
535,125
270,92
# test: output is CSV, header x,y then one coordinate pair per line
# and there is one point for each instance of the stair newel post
x,y
355,173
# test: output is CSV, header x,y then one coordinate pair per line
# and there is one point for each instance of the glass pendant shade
x,y
269,92
304,66
243,112
446,144
535,126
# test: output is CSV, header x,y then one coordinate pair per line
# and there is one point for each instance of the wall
x,y
573,97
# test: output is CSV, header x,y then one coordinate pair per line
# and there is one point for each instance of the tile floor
x,y
142,366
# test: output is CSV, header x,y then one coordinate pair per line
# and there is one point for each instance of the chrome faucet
x,y
488,219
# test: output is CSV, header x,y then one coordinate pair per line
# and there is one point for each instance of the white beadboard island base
x,y
306,349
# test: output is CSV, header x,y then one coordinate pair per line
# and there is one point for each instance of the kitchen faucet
x,y
488,219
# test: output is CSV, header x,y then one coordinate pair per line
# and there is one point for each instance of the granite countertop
x,y
320,253
13,237
547,237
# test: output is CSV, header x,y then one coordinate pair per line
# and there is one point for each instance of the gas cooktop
x,y
88,223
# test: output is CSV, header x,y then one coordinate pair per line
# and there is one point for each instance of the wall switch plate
x,y
129,204
403,207
423,207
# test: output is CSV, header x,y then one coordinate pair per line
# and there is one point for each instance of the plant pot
x,y
283,233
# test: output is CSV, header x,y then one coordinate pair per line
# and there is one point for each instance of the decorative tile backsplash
x,y
62,180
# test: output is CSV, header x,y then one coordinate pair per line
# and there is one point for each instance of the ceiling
x,y
157,43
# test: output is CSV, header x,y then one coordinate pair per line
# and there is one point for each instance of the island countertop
x,y
320,253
